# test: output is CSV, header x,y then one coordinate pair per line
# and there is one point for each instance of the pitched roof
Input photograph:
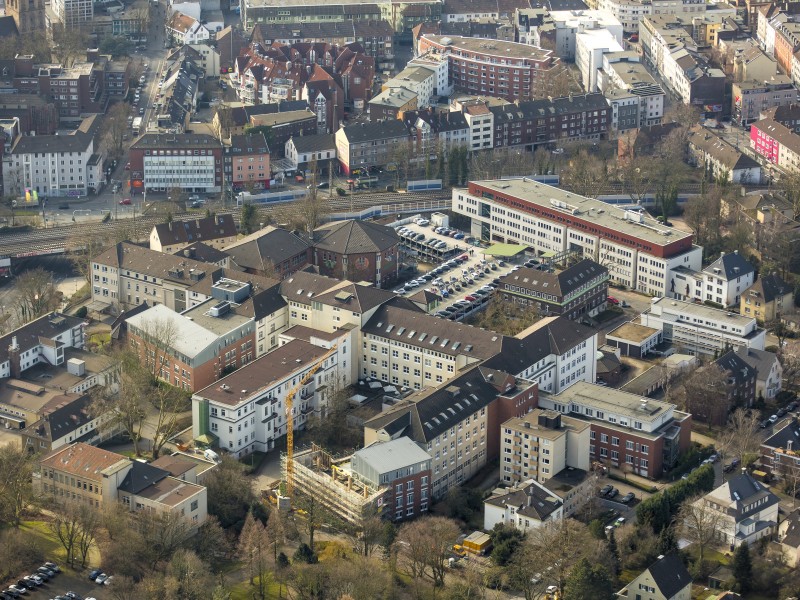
x,y
530,500
140,477
174,465
77,141
83,460
202,252
68,415
670,575
389,456
741,494
761,360
735,366
770,287
176,140
251,143
779,132
720,150
185,232
31,334
789,433
313,143
731,265
268,246
374,131
355,237
558,284
128,256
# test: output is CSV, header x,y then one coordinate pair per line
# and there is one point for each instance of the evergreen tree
x,y
666,541
743,568
587,582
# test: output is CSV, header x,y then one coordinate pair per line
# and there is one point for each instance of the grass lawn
x,y
244,591
40,530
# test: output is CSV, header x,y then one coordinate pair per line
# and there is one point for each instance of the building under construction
x,y
347,486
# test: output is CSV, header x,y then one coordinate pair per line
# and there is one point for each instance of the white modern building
x,y
246,410
183,29
440,65
73,13
570,23
638,251
701,329
636,99
303,149
419,79
590,46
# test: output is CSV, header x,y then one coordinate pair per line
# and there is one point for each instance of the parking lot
x,y
76,582
463,276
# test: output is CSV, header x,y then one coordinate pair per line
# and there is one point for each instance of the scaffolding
x,y
331,482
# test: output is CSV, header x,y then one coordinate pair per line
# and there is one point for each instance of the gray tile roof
x,y
29,335
196,230
771,286
530,501
670,575
788,433
70,414
355,237
558,284
392,455
202,252
761,360
738,368
379,130
731,265
271,245
314,143
140,477
32,144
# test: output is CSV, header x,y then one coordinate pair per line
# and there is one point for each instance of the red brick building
x,y
358,251
490,67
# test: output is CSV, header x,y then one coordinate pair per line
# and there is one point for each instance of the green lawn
x,y
244,591
40,531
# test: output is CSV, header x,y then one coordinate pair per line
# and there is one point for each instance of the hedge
x,y
658,510
650,489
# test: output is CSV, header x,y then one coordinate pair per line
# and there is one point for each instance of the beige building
x,y
217,231
542,444
83,473
665,579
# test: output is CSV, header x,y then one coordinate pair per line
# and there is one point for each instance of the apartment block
x,y
42,341
639,252
701,329
776,143
626,430
189,161
245,411
84,474
720,159
569,24
635,98
750,98
767,299
365,145
247,162
541,444
217,231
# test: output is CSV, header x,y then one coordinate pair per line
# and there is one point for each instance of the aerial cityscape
x,y
399,299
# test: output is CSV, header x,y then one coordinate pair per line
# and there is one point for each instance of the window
x,y
194,505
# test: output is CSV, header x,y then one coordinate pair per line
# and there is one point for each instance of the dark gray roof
x,y
140,477
251,143
196,230
70,414
558,284
548,108
355,298
789,433
552,335
770,286
323,31
761,360
202,252
31,144
744,491
530,501
314,143
355,237
792,535
266,302
670,575
731,265
735,366
378,130
29,335
271,245
566,5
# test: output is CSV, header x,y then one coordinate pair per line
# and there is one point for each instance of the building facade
x,y
247,162
191,162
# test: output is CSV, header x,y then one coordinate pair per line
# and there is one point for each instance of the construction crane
x,y
290,418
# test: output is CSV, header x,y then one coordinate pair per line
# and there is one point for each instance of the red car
x,y
612,300
470,298
125,201
463,257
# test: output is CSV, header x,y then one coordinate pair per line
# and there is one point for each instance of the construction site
x,y
332,482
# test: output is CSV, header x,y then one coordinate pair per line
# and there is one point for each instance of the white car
x,y
551,589
18,589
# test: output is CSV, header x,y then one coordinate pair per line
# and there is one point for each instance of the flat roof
x,y
699,310
498,48
530,422
597,211
218,325
614,401
504,250
192,337
633,332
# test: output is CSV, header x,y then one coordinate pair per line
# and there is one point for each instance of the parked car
x,y
627,498
620,522
100,579
612,300
613,493
94,573
773,419
606,489
125,201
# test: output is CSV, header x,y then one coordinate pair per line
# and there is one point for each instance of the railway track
x,y
57,240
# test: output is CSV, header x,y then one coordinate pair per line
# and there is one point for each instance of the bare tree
x,y
742,435
705,393
426,544
36,295
367,532
254,551
16,473
89,525
637,178
558,546
84,248
586,175
162,533
115,128
69,45
66,527
700,524
556,82
312,207
789,469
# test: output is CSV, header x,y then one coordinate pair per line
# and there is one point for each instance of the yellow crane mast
x,y
290,418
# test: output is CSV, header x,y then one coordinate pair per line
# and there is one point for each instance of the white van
x,y
211,455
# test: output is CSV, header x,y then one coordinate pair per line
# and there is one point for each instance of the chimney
x,y
14,359
170,225
789,445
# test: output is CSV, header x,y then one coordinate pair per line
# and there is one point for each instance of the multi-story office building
x,y
578,290
457,423
161,162
84,474
569,24
492,68
628,431
635,98
701,329
638,252
246,410
73,14
540,445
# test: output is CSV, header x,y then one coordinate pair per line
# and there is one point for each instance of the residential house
x,y
767,299
358,251
435,132
271,252
365,145
720,159
769,372
524,506
635,98
285,125
303,150
247,162
628,431
590,47
779,452
787,115
392,103
85,474
665,579
205,253
183,29
578,290
701,329
746,509
417,79
789,538
741,382
725,280
217,231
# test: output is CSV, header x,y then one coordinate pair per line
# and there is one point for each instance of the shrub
x,y
82,312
